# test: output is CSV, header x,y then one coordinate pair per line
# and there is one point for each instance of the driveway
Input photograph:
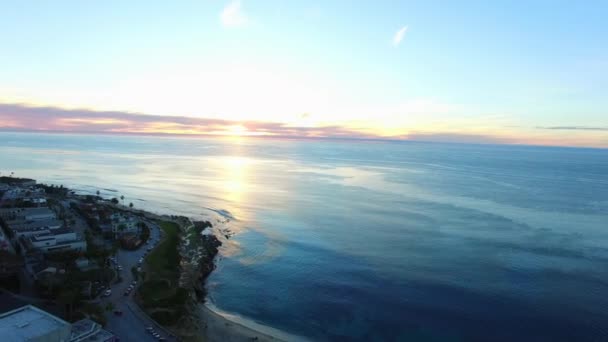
x,y
131,326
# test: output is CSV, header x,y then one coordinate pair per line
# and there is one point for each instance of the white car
x,y
107,293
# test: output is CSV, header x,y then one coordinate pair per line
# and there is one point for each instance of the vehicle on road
x,y
118,312
107,293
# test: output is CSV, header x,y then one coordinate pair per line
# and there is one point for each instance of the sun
x,y
236,130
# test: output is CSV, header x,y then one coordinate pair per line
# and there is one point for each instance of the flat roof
x,y
89,331
82,328
29,322
34,211
22,225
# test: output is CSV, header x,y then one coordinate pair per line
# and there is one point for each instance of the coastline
x,y
212,323
205,322
221,326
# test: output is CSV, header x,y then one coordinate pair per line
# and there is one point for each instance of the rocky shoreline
x,y
210,244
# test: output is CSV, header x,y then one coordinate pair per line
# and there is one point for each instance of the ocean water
x,y
367,240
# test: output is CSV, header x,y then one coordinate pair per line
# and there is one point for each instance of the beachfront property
x,y
124,224
12,193
29,323
39,230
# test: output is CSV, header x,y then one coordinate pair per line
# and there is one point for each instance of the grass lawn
x,y
164,258
161,273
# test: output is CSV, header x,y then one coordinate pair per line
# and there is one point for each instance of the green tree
x,y
131,205
69,296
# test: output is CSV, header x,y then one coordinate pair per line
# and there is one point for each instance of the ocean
x,y
345,240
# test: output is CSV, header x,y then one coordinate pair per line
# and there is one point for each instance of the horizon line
x,y
288,137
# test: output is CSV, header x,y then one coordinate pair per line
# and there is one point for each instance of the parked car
x,y
118,312
107,293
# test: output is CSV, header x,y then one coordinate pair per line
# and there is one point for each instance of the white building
x,y
27,214
29,323
123,224
29,228
55,240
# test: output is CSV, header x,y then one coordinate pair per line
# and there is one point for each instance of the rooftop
x,y
23,225
29,322
87,330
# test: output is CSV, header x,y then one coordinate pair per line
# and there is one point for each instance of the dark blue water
x,y
381,241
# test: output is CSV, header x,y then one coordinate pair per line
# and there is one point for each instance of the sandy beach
x,y
224,327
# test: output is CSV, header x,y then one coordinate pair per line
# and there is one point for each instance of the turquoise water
x,y
386,241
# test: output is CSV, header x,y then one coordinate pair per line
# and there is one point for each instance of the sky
x,y
532,72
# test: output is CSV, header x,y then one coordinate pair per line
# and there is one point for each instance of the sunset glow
x,y
237,69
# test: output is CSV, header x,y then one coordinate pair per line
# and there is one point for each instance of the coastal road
x,y
131,325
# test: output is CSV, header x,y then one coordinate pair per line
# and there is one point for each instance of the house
x,y
83,264
124,224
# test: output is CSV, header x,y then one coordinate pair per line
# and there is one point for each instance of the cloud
x,y
21,117
233,16
399,35
53,119
574,128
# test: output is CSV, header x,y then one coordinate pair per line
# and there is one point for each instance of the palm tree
x,y
97,193
123,199
131,205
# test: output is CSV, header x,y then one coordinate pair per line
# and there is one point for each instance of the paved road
x,y
131,325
